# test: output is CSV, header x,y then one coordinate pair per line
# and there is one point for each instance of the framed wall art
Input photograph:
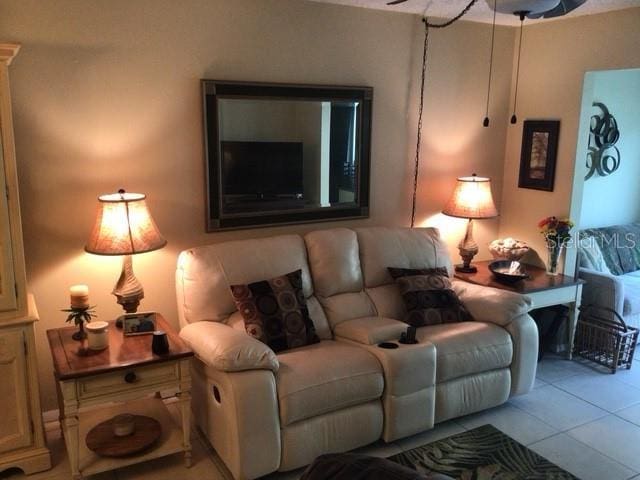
x,y
539,152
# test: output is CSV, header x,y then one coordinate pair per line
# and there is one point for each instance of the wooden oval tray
x,y
103,442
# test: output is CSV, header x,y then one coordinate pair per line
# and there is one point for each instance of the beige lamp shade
x,y
123,226
471,199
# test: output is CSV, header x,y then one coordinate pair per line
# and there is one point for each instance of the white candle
x,y
79,290
79,296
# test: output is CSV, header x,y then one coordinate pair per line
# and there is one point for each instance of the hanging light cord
x,y
493,37
419,135
514,119
425,48
464,11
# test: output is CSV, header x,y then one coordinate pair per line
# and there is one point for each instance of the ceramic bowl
x,y
508,271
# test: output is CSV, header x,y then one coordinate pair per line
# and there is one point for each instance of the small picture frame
x,y
538,156
141,323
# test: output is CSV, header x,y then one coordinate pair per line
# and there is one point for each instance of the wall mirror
x,y
283,154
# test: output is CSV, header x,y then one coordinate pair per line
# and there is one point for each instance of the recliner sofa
x,y
264,412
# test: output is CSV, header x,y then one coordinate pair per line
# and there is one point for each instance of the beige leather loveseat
x,y
264,412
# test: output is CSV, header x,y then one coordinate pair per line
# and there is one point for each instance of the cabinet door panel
x,y
15,427
7,279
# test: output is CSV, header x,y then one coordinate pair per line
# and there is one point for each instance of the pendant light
x,y
522,14
485,123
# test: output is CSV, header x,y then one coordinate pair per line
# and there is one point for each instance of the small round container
x,y
123,425
97,335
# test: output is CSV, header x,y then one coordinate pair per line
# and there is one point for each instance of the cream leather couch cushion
x,y
338,431
465,348
208,271
345,306
204,274
382,247
370,330
388,301
225,348
472,393
492,305
335,263
325,377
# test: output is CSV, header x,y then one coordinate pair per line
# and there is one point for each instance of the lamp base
x,y
468,249
466,269
128,290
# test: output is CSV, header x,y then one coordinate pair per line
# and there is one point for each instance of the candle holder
x,y
79,315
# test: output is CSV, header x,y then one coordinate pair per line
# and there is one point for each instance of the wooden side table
x,y
544,290
128,377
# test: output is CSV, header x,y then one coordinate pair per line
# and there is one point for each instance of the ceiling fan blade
x,y
396,2
563,8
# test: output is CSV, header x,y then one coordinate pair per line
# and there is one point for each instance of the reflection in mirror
x,y
280,154
284,156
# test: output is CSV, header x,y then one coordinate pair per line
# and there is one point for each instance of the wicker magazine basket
x,y
604,338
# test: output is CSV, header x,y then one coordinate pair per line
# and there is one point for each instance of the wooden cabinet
x,y
22,442
13,295
15,426
8,294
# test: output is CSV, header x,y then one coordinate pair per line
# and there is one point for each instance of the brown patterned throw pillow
x,y
408,272
428,296
275,312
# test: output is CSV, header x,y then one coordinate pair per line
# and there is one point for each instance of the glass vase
x,y
554,250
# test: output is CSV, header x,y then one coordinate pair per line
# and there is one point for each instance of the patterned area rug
x,y
484,453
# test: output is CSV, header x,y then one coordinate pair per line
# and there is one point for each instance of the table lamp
x,y
471,199
124,227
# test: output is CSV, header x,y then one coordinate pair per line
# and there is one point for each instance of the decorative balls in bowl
x,y
508,249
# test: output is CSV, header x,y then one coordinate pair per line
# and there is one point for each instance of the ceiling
x,y
480,11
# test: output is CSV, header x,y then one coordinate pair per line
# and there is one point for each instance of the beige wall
x,y
555,57
106,95
454,142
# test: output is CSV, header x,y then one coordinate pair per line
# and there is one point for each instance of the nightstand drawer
x,y
128,379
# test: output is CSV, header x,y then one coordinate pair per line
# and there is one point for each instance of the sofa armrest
x,y
370,330
492,305
602,289
227,349
524,335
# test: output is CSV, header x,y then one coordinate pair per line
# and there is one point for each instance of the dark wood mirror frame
x,y
214,90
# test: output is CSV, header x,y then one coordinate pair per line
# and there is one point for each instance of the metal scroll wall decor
x,y
603,157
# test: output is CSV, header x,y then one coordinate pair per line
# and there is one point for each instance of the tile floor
x,y
580,418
